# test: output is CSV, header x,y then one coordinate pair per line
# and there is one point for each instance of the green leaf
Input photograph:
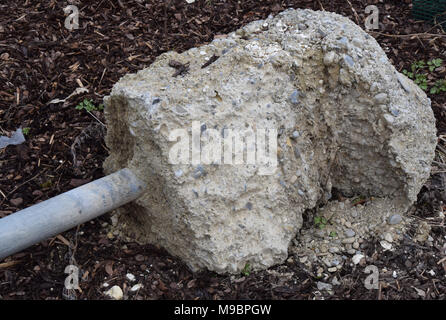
x,y
247,269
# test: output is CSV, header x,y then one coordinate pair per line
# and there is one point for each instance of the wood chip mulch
x,y
40,61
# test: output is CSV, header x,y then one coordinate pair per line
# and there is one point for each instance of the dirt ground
x,y
40,60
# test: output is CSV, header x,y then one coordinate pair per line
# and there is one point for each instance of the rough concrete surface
x,y
346,119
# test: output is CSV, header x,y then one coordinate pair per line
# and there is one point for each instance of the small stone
x,y
335,281
335,262
16,202
324,286
329,58
302,26
389,119
357,258
139,258
404,83
348,60
294,97
357,42
351,251
381,98
395,219
178,173
199,172
349,233
37,193
388,237
394,275
303,259
343,41
394,112
296,134
136,287
321,33
355,245
332,269
348,224
386,245
348,240
115,293
333,250
130,277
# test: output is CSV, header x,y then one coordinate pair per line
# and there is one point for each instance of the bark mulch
x,y
40,60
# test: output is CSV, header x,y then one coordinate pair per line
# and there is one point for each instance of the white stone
x,y
115,293
386,245
130,277
357,258
388,237
136,287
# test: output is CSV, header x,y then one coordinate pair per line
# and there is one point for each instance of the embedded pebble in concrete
x,y
349,233
395,219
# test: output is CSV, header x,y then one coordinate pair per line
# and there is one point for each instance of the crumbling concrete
x,y
345,118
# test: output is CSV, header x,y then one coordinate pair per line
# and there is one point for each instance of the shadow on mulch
x,y
40,61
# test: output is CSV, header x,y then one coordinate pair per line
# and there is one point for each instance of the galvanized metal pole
x,y
51,217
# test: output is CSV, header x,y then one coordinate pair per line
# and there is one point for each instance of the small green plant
x,y
434,64
89,106
439,86
26,131
46,184
320,222
247,269
333,234
420,77
421,81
